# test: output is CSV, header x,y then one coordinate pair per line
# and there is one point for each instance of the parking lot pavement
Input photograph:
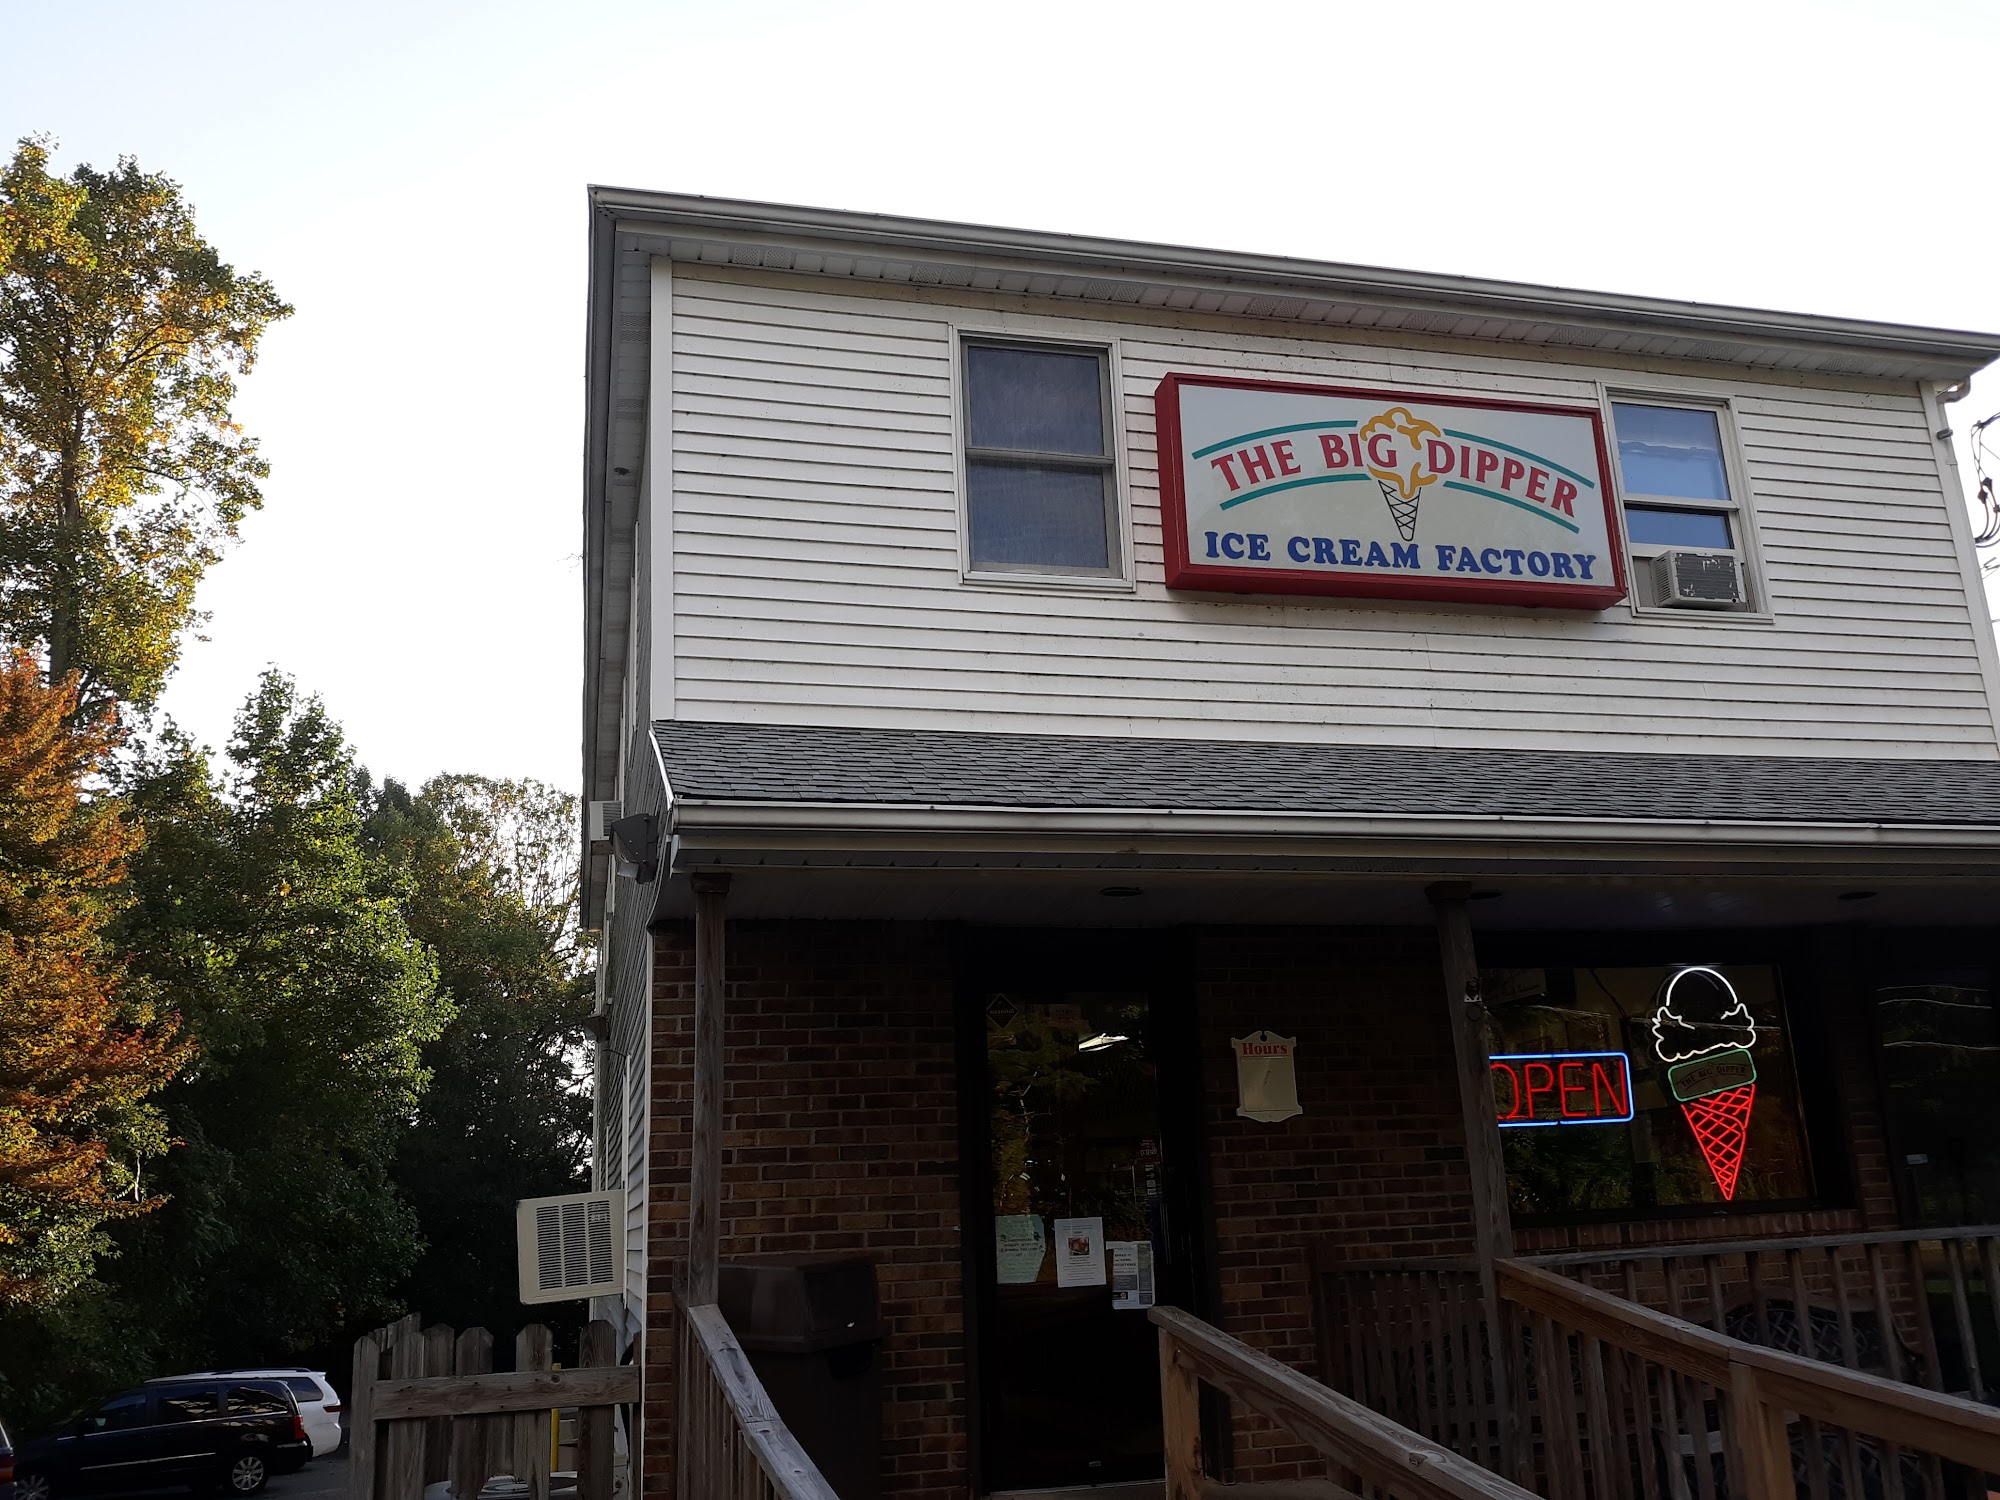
x,y
322,1479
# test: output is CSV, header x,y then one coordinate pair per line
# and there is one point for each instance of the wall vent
x,y
569,1247
1698,580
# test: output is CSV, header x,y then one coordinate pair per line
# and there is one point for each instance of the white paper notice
x,y
1267,1080
1018,1248
1079,1252
1131,1273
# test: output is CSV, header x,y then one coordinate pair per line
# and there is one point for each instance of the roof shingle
x,y
822,764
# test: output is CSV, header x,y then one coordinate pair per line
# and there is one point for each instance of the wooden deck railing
x,y
1631,1402
1410,1339
732,1442
1367,1452
1919,1306
1608,1399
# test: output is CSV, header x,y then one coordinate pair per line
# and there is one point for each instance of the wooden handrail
x,y
793,1475
1614,1253
1940,1424
1381,1451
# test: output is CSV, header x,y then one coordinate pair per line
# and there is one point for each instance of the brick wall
x,y
1375,1164
840,1134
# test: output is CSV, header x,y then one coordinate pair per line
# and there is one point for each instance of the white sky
x,y
411,176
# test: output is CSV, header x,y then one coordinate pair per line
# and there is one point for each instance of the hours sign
x,y
1274,488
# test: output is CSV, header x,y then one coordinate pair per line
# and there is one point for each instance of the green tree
x,y
507,1115
77,1060
122,470
266,919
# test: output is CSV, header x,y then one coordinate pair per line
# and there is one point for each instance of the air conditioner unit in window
x,y
602,816
570,1247
1698,580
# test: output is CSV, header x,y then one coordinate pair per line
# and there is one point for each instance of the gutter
x,y
1041,250
700,822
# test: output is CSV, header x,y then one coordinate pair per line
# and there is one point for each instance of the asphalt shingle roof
x,y
798,763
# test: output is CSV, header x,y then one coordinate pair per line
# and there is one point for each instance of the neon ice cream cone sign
x,y
1402,487
1704,1033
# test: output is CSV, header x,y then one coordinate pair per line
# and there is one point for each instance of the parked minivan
x,y
211,1432
318,1402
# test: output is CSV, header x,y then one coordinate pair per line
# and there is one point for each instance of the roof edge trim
x,y
1270,272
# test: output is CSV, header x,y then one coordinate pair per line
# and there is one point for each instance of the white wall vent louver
x,y
569,1247
1697,580
602,816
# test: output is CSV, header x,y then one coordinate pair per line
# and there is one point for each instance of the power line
x,y
1983,453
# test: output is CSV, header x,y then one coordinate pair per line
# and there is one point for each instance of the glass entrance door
x,y
1079,1232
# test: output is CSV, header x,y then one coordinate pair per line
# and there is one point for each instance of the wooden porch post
x,y
711,894
1492,1229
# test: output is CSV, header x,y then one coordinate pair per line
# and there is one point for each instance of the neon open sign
x,y
1562,1088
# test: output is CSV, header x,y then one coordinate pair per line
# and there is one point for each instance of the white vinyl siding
x,y
817,563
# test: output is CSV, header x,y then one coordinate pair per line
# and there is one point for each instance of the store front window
x,y
1624,1091
1940,1058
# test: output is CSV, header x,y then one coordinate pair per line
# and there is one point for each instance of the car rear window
x,y
186,1405
304,1387
248,1401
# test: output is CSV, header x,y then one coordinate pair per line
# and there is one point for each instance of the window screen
x,y
1674,475
1039,476
1627,1090
1671,450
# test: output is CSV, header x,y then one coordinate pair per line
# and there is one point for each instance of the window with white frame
x,y
1685,526
1041,486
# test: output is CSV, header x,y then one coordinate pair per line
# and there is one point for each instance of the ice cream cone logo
x,y
1704,1033
1402,487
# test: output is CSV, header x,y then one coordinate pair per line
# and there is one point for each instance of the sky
x,y
411,177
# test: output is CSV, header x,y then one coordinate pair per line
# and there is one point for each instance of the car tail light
x,y
6,1468
298,1428
334,1409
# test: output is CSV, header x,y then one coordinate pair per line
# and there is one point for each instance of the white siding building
x,y
886,621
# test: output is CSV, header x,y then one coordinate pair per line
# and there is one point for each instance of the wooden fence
x,y
426,1405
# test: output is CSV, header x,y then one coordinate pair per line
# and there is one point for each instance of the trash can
x,y
812,1326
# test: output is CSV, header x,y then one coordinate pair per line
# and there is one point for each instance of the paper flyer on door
x,y
1079,1252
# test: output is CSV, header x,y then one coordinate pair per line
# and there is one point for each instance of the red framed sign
x,y
1268,487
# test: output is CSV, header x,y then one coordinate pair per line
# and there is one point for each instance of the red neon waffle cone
x,y
1721,1124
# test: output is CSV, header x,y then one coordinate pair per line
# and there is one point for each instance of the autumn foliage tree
x,y
78,1059
122,468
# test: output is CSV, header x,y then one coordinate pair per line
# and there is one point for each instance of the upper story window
x,y
1041,489
1681,508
